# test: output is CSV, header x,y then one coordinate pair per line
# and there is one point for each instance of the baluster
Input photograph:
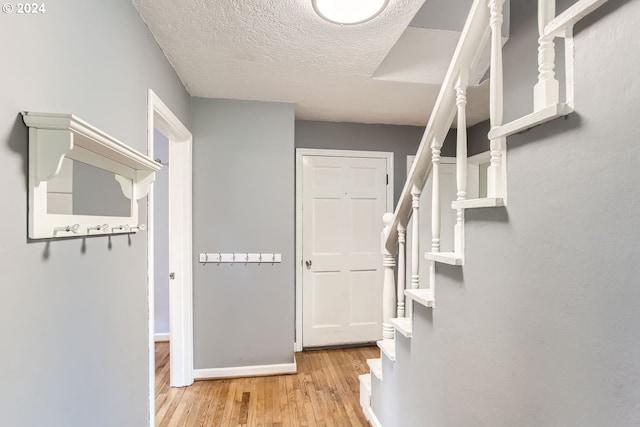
x,y
461,157
415,242
415,237
435,198
388,285
495,181
402,274
547,91
435,211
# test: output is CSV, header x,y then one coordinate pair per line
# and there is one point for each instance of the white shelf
x,y
403,325
375,366
79,134
421,296
388,347
444,257
54,138
478,203
531,120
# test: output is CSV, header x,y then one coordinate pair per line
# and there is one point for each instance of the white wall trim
x,y
371,417
160,117
246,371
300,152
161,337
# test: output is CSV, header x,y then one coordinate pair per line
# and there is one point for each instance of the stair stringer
x,y
392,402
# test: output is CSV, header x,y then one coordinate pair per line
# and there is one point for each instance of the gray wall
x,y
540,327
161,234
73,312
243,200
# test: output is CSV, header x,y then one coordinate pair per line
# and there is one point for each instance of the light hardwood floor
x,y
324,392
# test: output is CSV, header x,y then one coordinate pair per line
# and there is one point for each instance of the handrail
x,y
471,44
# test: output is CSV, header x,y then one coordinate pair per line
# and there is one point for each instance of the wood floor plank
x,y
324,392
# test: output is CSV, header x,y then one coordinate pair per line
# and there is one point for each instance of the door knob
x,y
172,276
308,263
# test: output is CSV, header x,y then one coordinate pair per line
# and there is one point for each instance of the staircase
x,y
408,313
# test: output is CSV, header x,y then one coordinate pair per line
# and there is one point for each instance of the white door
x,y
343,201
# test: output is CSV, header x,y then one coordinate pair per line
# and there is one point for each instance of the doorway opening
x,y
161,238
179,213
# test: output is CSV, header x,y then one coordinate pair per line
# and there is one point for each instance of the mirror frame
x,y
54,137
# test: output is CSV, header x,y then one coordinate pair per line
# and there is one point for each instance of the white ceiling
x,y
280,50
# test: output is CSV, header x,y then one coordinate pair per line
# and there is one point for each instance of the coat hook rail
x,y
240,258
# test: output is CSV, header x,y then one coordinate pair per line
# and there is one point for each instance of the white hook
x,y
102,227
75,229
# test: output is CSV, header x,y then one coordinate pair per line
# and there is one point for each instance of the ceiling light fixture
x,y
348,11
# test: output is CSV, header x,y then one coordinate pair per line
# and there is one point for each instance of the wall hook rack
x,y
240,258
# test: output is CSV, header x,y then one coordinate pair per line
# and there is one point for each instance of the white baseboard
x,y
246,371
161,337
371,417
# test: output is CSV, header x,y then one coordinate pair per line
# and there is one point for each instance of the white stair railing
x,y
451,99
484,23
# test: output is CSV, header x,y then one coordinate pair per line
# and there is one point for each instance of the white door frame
x,y
300,153
160,117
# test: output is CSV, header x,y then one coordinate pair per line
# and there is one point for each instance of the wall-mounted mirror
x,y
83,189
81,180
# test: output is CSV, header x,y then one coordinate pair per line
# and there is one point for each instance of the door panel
x,y
344,199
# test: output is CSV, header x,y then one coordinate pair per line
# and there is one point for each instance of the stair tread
x,y
388,347
375,365
450,258
403,325
530,120
421,296
485,202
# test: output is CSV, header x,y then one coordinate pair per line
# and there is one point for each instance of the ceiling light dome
x,y
348,11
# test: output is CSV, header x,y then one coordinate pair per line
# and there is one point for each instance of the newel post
x,y
388,284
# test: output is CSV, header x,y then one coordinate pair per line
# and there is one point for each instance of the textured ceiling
x,y
280,50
